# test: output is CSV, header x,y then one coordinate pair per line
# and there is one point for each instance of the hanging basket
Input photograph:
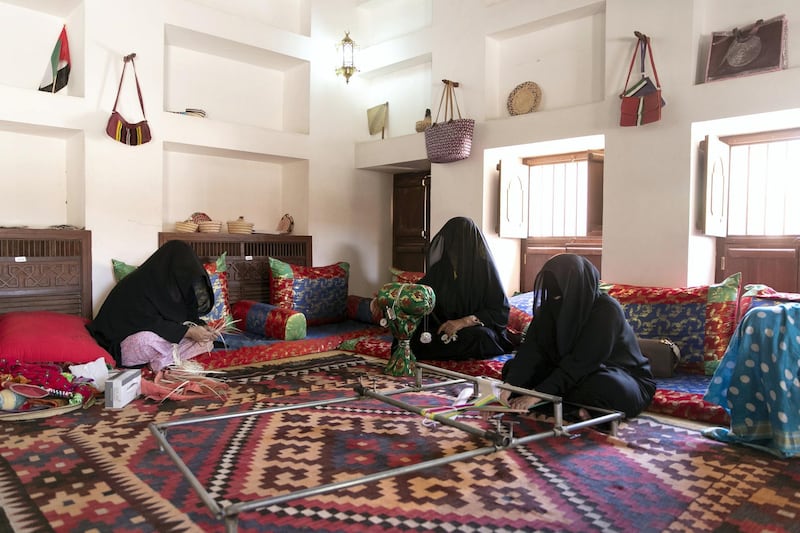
x,y
450,140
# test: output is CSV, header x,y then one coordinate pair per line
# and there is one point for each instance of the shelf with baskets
x,y
227,184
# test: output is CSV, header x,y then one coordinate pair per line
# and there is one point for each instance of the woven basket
x,y
186,226
210,226
240,226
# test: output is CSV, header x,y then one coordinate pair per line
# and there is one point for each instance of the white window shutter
x,y
513,199
715,222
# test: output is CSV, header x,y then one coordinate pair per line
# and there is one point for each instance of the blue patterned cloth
x,y
757,381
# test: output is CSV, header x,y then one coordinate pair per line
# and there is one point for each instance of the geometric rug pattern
x,y
101,470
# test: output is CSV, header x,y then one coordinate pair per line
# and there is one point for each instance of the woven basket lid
x,y
240,226
524,98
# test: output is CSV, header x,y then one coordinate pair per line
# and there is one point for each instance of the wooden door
x,y
411,221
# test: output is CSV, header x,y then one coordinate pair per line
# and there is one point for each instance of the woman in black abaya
x,y
579,345
152,316
471,311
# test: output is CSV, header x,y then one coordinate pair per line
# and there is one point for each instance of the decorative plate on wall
x,y
524,98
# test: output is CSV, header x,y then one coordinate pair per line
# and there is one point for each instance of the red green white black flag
x,y
57,73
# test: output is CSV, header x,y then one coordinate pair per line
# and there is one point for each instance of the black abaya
x,y
170,288
464,278
580,346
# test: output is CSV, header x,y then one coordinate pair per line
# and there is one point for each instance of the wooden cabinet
x,y
411,221
536,252
772,261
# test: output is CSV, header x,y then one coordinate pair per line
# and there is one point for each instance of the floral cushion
x,y
518,322
220,315
759,295
269,320
700,320
405,276
358,308
320,293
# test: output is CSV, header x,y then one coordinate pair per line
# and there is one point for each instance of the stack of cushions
x,y
299,297
320,293
699,320
270,321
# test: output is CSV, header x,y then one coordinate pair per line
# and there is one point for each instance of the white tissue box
x,y
122,388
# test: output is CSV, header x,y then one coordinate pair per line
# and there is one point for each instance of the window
x,y
565,196
554,204
763,183
752,182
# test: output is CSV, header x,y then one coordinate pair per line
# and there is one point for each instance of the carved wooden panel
x,y
45,269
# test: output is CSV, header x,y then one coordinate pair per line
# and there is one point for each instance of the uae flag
x,y
57,74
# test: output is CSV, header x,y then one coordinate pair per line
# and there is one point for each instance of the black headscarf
x,y
171,287
463,275
567,288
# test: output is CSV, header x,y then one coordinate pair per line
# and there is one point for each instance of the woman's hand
x,y
451,327
524,402
199,334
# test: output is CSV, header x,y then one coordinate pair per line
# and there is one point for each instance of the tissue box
x,y
122,388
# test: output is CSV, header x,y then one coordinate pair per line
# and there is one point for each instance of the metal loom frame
x,y
498,439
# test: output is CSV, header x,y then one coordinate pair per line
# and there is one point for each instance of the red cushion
x,y
48,337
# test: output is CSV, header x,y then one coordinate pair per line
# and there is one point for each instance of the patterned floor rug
x,y
102,470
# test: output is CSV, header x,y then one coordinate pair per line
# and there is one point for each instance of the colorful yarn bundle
x,y
50,377
404,305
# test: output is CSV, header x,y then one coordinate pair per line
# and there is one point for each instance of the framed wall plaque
x,y
753,49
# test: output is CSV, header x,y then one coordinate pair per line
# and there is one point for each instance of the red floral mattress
x,y
681,397
675,397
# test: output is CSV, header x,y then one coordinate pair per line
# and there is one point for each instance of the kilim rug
x,y
101,470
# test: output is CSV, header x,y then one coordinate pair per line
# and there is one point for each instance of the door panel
x,y
536,252
772,261
411,221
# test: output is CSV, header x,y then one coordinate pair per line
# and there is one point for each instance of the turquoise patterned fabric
x,y
757,381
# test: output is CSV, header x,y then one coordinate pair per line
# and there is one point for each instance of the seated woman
x,y
471,311
152,316
579,345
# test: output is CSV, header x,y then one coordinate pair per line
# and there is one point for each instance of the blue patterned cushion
x,y
320,293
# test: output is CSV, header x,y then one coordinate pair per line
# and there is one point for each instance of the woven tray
x,y
524,98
